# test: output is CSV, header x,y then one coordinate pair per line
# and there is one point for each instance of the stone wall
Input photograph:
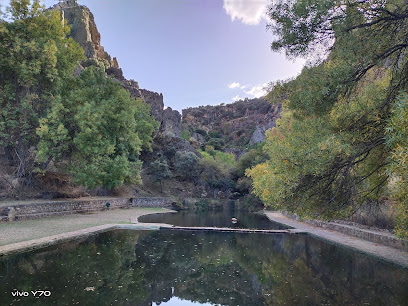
x,y
44,209
153,202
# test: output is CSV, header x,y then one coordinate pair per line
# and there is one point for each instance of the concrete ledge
x,y
30,245
381,252
51,240
380,237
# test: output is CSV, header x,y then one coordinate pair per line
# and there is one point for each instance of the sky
x,y
195,52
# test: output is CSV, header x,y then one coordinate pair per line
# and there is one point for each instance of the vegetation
x,y
88,125
159,170
342,135
100,128
36,58
186,165
397,140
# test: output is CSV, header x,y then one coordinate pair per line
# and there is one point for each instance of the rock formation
x,y
239,124
85,32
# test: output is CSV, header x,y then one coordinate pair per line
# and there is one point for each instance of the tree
x,y
95,130
186,165
35,59
328,152
159,170
397,140
215,173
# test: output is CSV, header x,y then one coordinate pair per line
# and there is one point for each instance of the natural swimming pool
x,y
167,267
214,219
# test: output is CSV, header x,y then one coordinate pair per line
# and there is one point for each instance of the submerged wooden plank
x,y
228,229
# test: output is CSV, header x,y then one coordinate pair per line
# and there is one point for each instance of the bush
x,y
186,165
159,170
217,143
201,132
186,134
214,134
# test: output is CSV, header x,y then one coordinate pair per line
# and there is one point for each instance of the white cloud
x,y
236,98
248,11
258,90
234,85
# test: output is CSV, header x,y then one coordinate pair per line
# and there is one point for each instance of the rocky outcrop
x,y
238,124
259,133
171,125
85,32
155,100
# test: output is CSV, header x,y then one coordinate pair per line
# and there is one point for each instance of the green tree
x,y
397,140
159,171
36,57
214,173
249,160
328,152
186,165
95,130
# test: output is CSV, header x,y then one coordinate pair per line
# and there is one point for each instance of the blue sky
x,y
195,52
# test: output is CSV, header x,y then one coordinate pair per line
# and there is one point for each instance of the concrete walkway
x,y
381,252
32,234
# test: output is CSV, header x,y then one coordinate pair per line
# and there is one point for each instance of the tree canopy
x,y
329,153
99,127
36,57
86,122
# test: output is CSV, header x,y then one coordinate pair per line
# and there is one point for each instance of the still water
x,y
214,219
166,267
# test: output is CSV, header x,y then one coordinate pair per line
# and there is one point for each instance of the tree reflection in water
x,y
140,268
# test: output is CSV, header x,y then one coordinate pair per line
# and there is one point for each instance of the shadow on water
x,y
214,219
126,267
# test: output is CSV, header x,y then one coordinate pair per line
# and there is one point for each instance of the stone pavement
x,y
381,252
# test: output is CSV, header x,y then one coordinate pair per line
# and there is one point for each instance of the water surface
x,y
214,219
166,267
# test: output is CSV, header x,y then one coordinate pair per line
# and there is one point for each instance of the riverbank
x,y
382,252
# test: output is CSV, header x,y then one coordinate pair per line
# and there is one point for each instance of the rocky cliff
x,y
238,124
85,32
235,125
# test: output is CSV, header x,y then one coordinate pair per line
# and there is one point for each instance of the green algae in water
x,y
125,267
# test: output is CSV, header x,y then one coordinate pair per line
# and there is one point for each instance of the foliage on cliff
x,y
328,153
